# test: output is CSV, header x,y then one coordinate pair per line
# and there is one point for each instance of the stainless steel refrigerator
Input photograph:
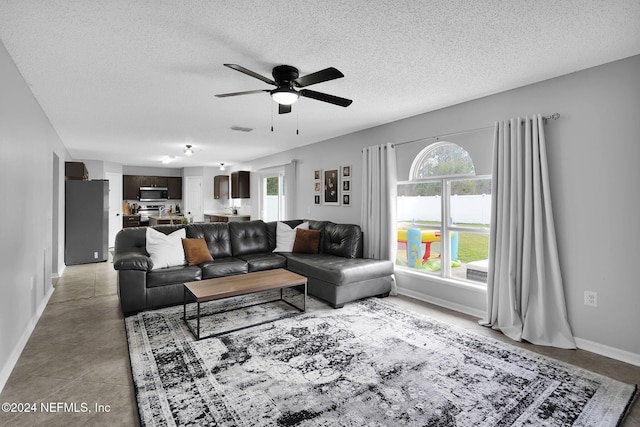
x,y
86,221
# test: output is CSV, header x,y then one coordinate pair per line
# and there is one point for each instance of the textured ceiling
x,y
132,81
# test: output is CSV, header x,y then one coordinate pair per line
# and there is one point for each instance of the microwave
x,y
154,194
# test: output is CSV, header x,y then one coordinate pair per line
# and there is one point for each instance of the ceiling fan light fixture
x,y
284,96
188,151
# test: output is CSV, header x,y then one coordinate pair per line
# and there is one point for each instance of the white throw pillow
x,y
286,236
165,250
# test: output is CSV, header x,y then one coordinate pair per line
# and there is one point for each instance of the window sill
x,y
480,288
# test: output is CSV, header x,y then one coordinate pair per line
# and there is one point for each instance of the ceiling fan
x,y
286,79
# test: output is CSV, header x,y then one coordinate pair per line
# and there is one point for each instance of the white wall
x,y
28,143
593,149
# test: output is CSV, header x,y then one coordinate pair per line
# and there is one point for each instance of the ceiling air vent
x,y
241,129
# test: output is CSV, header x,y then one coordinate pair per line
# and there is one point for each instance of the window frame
x,y
446,226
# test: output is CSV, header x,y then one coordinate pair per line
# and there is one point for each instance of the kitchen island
x,y
223,217
165,219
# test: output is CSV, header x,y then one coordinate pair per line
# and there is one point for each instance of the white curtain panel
x,y
378,216
525,296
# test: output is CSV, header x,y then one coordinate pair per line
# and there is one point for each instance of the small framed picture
x,y
316,199
346,185
316,174
316,187
346,199
346,171
331,187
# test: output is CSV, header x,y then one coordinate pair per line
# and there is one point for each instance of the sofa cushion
x,y
344,240
338,270
286,236
171,275
215,234
307,241
264,261
221,267
165,250
196,251
248,237
271,230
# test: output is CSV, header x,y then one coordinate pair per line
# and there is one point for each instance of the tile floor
x,y
78,354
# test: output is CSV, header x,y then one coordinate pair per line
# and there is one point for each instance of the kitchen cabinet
x,y
130,187
174,186
153,181
76,171
130,221
240,185
221,187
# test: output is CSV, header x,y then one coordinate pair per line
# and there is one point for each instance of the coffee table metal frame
x,y
302,281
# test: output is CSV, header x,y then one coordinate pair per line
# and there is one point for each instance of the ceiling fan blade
x,y
318,77
284,109
325,97
250,73
248,92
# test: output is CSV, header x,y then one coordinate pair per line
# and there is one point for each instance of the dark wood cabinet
x,y
130,221
221,187
240,185
76,171
153,181
130,187
174,186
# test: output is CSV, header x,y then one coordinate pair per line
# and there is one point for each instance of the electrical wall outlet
x,y
591,298
95,255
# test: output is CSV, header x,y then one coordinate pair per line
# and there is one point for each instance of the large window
x,y
444,197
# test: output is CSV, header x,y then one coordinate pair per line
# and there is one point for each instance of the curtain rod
x,y
266,168
554,116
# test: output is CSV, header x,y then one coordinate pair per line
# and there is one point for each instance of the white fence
x,y
464,209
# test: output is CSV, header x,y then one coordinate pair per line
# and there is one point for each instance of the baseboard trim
x,y
607,351
59,274
442,303
5,373
581,343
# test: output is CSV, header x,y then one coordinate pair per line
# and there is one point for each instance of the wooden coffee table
x,y
242,284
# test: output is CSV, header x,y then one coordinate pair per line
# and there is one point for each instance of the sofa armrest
x,y
132,261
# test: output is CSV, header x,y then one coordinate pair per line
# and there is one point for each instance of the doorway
x,y
115,205
272,197
193,204
55,219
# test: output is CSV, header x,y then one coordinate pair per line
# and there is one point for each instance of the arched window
x,y
441,159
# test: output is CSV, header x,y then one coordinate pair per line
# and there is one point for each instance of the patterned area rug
x,y
367,364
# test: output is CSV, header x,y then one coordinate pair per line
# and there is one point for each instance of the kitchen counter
x,y
165,219
224,217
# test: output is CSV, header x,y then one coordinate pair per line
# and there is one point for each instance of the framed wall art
x,y
331,187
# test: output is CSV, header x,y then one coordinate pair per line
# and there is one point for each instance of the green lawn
x,y
471,246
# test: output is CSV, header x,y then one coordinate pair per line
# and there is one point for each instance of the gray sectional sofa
x,y
337,273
